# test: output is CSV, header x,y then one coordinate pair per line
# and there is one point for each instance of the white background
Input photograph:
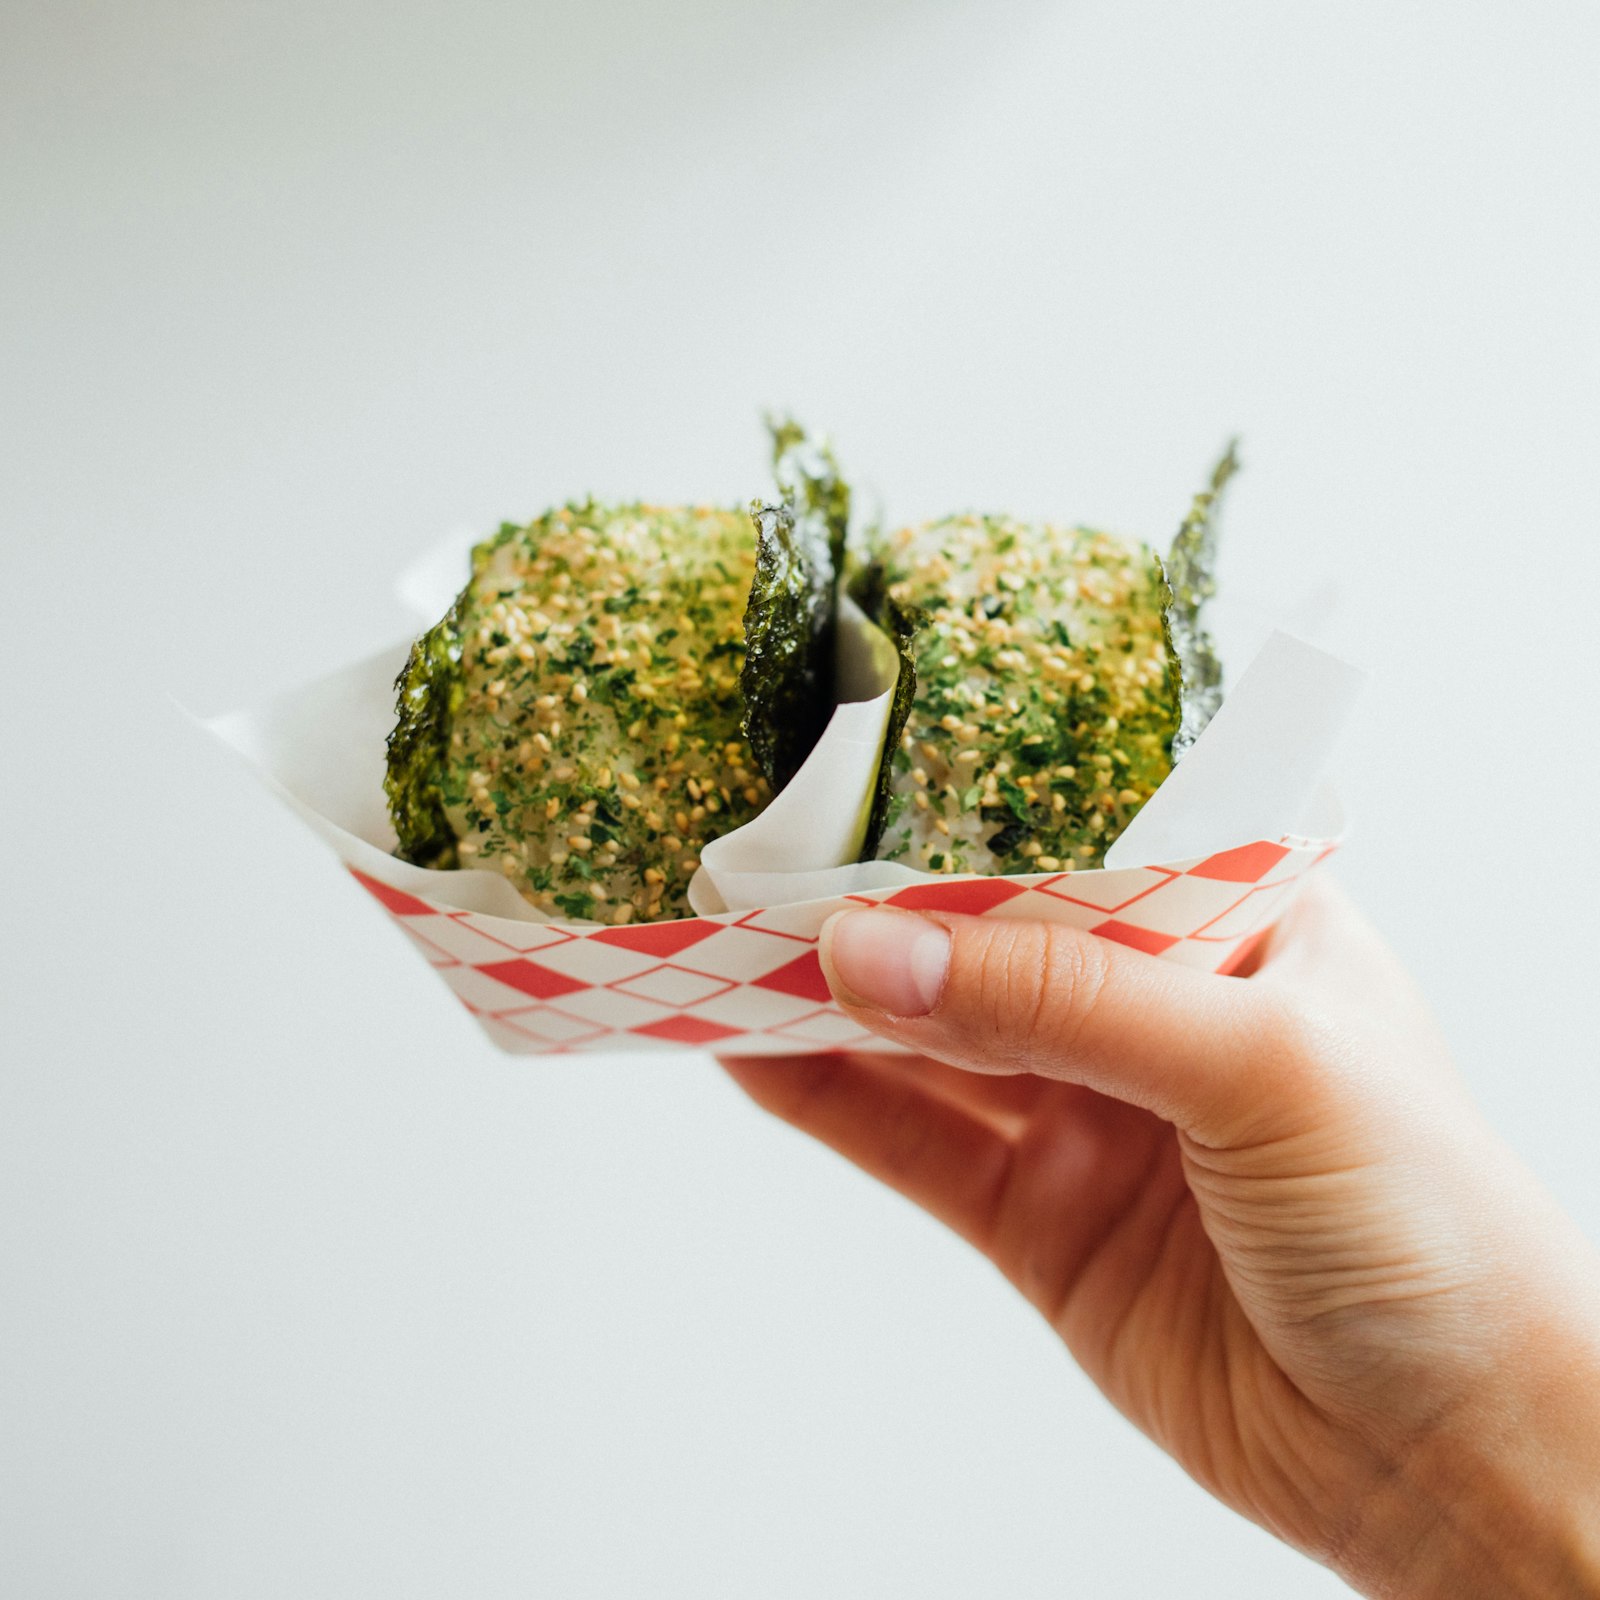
x,y
303,1291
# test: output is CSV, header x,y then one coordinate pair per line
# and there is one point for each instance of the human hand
x,y
1263,1216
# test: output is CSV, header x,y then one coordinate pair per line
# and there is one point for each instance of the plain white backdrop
x,y
303,1291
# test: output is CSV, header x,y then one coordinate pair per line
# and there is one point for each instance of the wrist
x,y
1500,1499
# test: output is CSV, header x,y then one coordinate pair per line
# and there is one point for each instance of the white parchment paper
x,y
1255,773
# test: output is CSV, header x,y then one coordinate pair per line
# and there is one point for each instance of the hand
x,y
1262,1215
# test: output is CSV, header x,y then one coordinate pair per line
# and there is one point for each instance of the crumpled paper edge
x,y
1255,773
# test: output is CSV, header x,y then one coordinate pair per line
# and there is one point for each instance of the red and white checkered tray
x,y
750,983
748,980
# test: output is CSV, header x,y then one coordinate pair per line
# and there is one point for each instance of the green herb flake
x,y
1037,711
1189,573
789,624
902,624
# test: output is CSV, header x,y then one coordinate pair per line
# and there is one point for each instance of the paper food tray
x,y
1208,865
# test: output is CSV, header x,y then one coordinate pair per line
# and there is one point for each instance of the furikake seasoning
x,y
1045,704
575,721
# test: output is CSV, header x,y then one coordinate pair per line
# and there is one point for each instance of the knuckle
x,y
791,1088
1295,1068
1281,1028
1299,1044
1036,987
907,1133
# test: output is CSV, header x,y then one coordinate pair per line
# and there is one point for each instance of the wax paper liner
x,y
1198,877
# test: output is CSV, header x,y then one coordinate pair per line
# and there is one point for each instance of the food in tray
x,y
619,684
1050,676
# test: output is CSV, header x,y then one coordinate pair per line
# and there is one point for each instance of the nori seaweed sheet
x,y
428,694
869,588
789,623
1190,570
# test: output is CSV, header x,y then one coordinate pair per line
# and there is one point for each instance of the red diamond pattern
x,y
1146,939
1243,953
802,977
687,1030
1248,864
393,900
753,982
531,978
673,986
974,896
662,939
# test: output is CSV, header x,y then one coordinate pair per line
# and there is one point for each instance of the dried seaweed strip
x,y
789,625
1190,573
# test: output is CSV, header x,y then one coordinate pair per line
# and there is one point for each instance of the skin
x,y
1263,1216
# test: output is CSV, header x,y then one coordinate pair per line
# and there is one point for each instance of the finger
x,y
1326,951
1220,1059
947,1160
1303,930
1077,1180
1007,1101
1324,937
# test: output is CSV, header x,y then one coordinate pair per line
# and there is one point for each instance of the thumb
x,y
1221,1058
